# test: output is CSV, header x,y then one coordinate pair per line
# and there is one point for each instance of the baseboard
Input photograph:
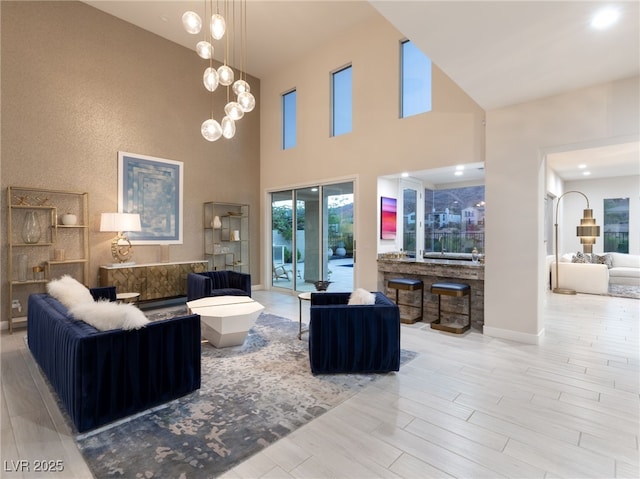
x,y
513,335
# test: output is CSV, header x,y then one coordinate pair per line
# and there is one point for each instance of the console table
x,y
154,281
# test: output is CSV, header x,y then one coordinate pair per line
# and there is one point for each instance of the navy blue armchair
x,y
103,292
353,338
218,283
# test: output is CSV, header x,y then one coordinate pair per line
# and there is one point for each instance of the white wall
x,y
380,144
388,188
517,137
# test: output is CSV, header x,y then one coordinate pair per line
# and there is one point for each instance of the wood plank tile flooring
x,y
467,406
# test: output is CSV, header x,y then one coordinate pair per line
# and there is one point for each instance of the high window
x,y
289,130
416,81
341,101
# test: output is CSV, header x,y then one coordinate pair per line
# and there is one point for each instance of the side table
x,y
306,296
127,297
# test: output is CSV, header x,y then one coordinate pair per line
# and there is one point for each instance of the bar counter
x,y
434,271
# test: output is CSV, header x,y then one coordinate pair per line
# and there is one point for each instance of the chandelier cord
x,y
210,40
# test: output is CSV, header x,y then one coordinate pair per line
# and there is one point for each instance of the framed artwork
x,y
388,207
151,187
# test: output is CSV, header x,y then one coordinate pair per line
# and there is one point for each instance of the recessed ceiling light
x,y
582,167
586,173
405,174
605,18
459,167
458,173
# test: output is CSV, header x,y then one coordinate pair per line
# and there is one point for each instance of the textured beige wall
x,y
79,85
381,143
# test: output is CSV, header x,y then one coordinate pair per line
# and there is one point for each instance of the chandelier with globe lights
x,y
220,30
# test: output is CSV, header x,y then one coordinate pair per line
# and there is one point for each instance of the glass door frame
x,y
322,227
418,187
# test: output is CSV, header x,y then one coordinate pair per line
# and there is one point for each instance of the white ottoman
x,y
226,320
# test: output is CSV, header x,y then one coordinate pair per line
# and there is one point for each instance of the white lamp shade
x,y
120,222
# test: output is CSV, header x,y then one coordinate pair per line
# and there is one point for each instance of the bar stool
x,y
408,284
457,290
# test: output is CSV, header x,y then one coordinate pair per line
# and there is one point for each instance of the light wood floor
x,y
467,406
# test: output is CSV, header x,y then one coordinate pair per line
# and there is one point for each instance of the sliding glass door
x,y
312,237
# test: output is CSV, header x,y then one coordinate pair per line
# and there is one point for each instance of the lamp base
x,y
563,291
121,249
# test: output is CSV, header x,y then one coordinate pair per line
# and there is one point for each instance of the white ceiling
x,y
507,52
278,32
500,52
621,159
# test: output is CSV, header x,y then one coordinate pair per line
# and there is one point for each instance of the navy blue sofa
x,y
353,338
101,376
218,283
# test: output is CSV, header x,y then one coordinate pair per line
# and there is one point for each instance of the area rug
x,y
251,396
624,291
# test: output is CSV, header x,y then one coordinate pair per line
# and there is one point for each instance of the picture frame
x,y
153,188
388,212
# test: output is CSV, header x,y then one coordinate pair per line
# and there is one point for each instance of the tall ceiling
x,y
499,52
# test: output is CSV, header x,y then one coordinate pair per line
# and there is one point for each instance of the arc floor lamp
x,y
587,231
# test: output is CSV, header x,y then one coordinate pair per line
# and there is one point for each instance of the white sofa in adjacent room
x,y
594,278
581,277
625,269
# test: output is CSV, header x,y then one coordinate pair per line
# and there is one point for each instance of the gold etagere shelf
x,y
226,236
59,248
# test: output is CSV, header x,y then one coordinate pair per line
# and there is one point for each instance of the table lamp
x,y
121,248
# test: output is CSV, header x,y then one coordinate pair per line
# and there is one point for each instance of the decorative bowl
x,y
322,285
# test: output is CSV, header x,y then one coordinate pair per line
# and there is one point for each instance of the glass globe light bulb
x,y
225,75
211,130
228,127
210,79
191,22
218,26
233,110
240,86
204,49
246,101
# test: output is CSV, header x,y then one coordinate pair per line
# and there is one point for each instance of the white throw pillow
x,y
69,291
566,258
362,296
106,315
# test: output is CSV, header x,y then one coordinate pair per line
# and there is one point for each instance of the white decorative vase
x,y
216,223
68,219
